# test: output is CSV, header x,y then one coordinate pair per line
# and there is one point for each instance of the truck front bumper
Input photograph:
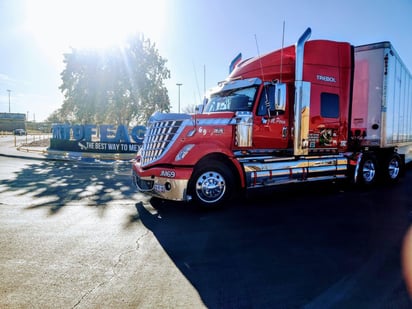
x,y
164,183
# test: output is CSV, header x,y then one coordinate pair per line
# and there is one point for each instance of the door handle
x,y
285,132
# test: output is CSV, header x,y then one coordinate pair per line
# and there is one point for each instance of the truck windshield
x,y
240,99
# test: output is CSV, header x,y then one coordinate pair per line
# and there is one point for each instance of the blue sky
x,y
198,38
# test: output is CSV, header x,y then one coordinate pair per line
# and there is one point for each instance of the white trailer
x,y
383,81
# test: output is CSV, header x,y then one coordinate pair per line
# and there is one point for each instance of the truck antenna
x,y
267,103
281,52
204,80
197,81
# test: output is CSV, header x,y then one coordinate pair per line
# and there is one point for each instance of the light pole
x,y
8,90
178,102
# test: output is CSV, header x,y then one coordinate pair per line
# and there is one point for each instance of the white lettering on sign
x,y
108,133
324,78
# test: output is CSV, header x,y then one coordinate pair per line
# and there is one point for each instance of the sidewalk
x,y
44,153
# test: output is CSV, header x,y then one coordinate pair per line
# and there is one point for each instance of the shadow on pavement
x,y
55,184
309,246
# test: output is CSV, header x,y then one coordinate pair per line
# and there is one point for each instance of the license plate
x,y
159,188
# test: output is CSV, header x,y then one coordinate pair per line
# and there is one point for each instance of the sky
x,y
198,38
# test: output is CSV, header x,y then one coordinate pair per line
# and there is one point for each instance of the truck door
x,y
271,129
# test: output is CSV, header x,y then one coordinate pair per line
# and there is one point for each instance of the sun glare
x,y
93,23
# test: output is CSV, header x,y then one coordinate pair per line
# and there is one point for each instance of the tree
x,y
56,117
117,85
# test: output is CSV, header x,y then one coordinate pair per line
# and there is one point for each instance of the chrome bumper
x,y
165,188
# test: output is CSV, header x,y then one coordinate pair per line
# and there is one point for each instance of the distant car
x,y
19,132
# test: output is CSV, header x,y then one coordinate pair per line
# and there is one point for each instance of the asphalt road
x,y
76,235
13,140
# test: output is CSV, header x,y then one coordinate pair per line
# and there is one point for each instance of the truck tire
x,y
212,184
368,170
393,168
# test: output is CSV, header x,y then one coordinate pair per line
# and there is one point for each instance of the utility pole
x,y
8,90
178,102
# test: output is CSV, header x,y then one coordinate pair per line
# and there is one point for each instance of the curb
x,y
27,157
81,157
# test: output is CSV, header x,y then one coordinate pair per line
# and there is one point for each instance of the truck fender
x,y
211,150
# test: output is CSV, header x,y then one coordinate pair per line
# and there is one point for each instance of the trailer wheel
x,y
368,170
393,168
212,183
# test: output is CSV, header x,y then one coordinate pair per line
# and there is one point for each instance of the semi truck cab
x,y
279,118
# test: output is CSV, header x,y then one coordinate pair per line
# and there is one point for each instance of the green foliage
x,y
118,85
56,117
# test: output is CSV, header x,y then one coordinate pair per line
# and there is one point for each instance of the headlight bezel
x,y
184,151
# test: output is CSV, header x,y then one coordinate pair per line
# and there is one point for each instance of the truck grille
x,y
159,137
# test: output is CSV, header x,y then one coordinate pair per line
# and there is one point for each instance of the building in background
x,y
12,121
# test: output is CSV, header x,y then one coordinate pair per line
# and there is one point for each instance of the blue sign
x,y
93,138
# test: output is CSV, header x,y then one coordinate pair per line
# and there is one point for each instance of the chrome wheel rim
x,y
369,171
210,187
393,168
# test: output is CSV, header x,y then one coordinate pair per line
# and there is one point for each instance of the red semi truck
x,y
316,110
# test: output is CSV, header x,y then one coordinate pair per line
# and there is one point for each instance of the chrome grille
x,y
159,137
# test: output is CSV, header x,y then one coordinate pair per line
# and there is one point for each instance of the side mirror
x,y
280,97
199,109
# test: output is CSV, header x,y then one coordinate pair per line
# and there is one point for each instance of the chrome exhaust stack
x,y
302,100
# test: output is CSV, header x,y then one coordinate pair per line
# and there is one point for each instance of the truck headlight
x,y
184,151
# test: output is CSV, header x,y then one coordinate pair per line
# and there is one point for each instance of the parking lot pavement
x,y
80,236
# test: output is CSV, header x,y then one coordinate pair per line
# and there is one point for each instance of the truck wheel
x,y
393,168
212,184
368,170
